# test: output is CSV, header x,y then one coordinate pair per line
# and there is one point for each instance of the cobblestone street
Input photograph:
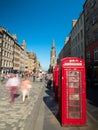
x,y
13,116
39,113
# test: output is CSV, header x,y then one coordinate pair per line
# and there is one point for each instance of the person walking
x,y
12,83
25,88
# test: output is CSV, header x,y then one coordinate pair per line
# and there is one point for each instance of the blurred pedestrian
x,y
34,77
25,88
49,81
13,84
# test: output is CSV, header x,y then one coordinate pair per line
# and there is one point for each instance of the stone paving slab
x,y
13,116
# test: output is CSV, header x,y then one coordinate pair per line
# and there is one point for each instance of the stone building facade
x,y
77,38
84,39
91,31
6,51
13,56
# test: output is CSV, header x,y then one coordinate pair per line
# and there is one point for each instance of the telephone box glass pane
x,y
73,93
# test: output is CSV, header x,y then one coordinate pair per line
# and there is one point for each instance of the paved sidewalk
x,y
92,102
18,115
92,111
48,116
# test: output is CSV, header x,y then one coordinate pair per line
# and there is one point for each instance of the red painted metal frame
x,y
72,92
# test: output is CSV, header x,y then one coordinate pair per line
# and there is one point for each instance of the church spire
x,y
52,56
53,45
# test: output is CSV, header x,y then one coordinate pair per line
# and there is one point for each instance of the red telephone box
x,y
56,81
53,79
72,92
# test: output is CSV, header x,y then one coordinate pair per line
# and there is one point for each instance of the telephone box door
x,y
73,94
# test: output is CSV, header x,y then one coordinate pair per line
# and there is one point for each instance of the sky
x,y
39,22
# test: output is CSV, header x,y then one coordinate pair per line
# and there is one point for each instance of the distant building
x,y
31,61
52,57
66,50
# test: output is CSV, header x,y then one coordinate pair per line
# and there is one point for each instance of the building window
x,y
94,18
3,53
78,50
96,54
81,33
2,62
81,47
3,44
88,57
87,26
8,54
6,45
95,35
7,63
93,3
4,35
